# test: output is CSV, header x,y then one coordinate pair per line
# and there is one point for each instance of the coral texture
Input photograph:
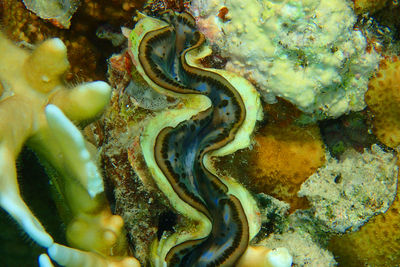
x,y
346,194
383,98
283,158
304,51
311,53
305,251
138,202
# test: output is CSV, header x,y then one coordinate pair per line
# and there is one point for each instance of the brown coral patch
x,y
370,6
284,158
377,243
383,98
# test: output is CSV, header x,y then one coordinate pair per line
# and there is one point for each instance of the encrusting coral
x,y
307,52
284,158
383,98
36,109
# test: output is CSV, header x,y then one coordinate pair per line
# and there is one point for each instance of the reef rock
x,y
346,194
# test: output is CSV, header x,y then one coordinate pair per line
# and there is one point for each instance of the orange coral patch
x,y
284,158
383,98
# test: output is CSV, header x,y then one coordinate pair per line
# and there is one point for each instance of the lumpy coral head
x,y
307,52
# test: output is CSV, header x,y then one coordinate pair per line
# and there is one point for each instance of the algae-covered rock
x,y
347,193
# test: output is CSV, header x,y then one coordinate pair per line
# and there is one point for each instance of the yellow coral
x,y
36,108
383,98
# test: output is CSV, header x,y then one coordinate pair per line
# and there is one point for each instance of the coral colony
x,y
224,115
310,42
37,109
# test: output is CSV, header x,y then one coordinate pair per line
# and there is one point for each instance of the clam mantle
x,y
215,117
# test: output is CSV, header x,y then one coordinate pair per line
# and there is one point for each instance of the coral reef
x,y
301,245
383,98
365,187
387,18
37,108
283,158
23,26
176,116
138,202
346,194
304,51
